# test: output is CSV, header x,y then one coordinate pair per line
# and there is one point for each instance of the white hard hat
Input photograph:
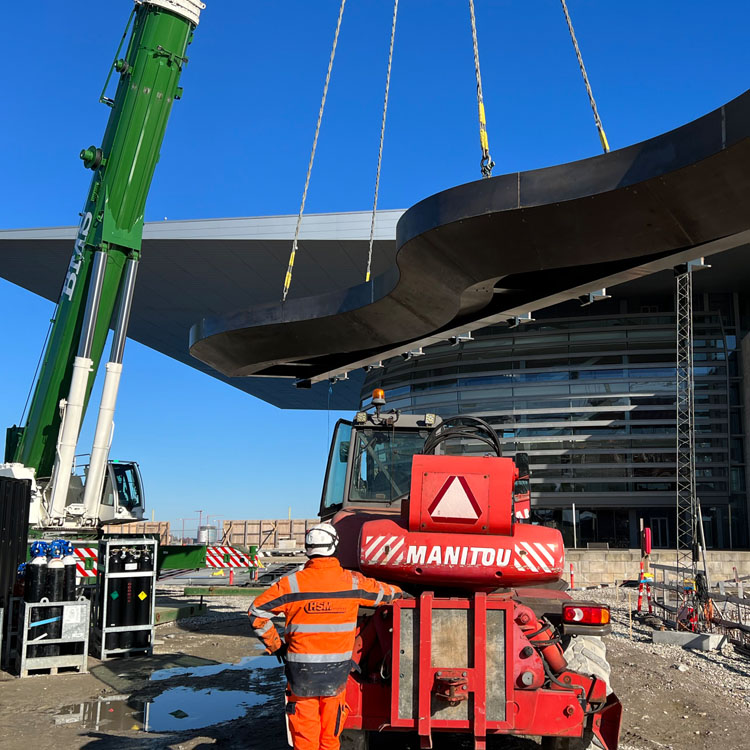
x,y
321,540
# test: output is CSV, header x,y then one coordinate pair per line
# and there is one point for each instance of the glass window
x,y
127,485
737,449
381,468
738,480
335,481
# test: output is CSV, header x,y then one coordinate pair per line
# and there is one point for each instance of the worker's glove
x,y
406,595
280,653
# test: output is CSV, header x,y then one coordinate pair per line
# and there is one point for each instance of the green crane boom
x,y
111,226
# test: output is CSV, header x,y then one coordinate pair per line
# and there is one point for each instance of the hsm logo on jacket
x,y
321,608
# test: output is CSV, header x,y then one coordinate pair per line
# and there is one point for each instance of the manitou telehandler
x,y
490,643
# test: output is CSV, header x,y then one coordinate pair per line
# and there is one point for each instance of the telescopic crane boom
x,y
98,287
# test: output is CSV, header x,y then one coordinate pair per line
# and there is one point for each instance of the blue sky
x,y
238,145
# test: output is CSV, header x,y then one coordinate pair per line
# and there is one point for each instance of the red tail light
x,y
585,614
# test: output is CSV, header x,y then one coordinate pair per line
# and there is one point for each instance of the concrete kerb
x,y
698,641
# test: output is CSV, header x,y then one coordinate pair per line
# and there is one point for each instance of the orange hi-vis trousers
x,y
316,723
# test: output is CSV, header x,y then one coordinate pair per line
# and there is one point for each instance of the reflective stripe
x,y
318,658
257,612
293,585
380,596
344,627
262,630
305,596
355,582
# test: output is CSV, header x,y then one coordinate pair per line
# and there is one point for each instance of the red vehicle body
x,y
481,647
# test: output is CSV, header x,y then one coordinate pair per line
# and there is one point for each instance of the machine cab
x,y
121,501
369,463
122,498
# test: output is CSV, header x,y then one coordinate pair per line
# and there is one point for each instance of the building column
x,y
633,516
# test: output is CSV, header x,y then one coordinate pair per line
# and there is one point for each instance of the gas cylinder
x,y
115,564
69,578
36,573
145,592
53,590
128,606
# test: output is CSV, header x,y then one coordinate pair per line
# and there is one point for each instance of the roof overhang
x,y
215,266
483,252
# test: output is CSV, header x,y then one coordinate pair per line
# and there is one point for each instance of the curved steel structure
x,y
482,252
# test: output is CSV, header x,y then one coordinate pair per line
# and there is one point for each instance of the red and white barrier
x,y
83,554
227,557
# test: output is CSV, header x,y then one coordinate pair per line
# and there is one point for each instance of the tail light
x,y
585,614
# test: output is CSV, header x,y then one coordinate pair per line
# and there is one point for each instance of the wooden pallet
x,y
41,671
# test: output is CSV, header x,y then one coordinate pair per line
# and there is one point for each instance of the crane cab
x,y
122,498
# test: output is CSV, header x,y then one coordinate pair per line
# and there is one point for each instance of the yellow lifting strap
x,y
486,164
382,136
293,253
597,119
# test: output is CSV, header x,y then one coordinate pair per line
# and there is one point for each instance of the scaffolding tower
x,y
689,539
687,500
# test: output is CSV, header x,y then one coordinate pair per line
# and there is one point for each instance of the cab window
x,y
127,485
334,487
381,466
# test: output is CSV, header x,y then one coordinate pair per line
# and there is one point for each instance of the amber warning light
x,y
580,614
378,397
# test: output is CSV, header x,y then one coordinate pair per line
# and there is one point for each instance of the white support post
x,y
102,440
68,438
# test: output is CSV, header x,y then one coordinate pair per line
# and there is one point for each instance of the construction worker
x,y
320,604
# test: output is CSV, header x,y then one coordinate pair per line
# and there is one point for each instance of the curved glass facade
x,y
589,394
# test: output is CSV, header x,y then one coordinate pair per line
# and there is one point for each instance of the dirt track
x,y
703,704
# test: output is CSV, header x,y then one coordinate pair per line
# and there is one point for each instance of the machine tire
x,y
587,742
586,654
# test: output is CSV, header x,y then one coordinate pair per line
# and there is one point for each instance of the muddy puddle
x,y
184,698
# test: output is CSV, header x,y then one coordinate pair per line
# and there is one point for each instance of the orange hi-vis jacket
x,y
320,603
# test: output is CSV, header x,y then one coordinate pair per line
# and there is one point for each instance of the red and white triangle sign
x,y
455,503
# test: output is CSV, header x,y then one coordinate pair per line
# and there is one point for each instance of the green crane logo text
x,y
77,259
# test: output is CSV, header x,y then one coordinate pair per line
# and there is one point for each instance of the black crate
x,y
15,497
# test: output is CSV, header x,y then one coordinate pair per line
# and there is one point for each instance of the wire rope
x,y
382,136
293,253
597,119
486,164
36,370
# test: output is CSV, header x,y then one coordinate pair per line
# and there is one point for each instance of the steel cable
x,y
382,136
290,267
486,164
597,119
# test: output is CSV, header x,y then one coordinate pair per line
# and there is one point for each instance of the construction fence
x,y
281,534
162,528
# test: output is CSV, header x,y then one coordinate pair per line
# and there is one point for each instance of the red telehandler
x,y
490,643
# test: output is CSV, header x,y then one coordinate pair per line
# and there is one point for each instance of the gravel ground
x,y
672,698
